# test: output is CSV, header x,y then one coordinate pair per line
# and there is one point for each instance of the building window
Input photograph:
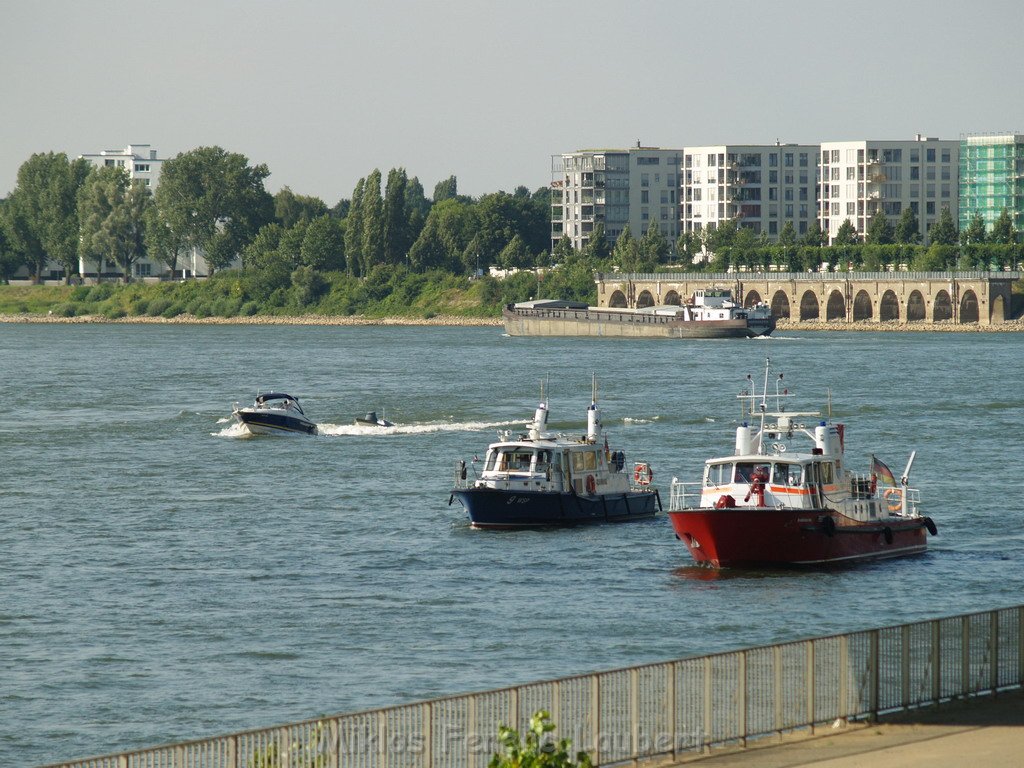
x,y
929,207
141,168
945,155
645,180
644,214
915,156
945,190
929,155
644,196
851,209
773,159
108,162
835,155
787,159
915,173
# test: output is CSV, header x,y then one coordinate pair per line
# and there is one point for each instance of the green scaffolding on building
x,y
992,179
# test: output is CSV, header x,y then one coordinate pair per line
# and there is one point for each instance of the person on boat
x,y
757,483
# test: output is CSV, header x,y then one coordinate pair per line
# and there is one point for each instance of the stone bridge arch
x,y
969,307
672,297
889,307
835,309
751,299
863,309
998,309
942,307
915,307
780,305
618,300
809,309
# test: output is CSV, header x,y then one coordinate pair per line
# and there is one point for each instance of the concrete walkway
x,y
985,732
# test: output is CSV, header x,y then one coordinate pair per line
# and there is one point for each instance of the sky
x,y
325,91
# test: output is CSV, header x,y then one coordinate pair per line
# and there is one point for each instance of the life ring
x,y
893,499
643,474
591,485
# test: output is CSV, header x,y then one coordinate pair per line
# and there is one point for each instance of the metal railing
x,y
666,710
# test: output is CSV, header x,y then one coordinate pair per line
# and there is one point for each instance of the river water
x,y
162,578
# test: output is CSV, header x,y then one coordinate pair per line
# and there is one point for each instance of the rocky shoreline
x,y
452,320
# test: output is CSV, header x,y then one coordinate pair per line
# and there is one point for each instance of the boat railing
x,y
680,497
461,473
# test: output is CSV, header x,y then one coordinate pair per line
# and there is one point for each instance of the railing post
x,y
232,756
741,698
875,674
777,678
670,706
382,739
905,666
843,708
936,661
334,754
810,682
965,655
993,652
709,710
428,735
634,713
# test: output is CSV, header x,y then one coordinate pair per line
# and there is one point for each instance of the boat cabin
x,y
770,481
546,465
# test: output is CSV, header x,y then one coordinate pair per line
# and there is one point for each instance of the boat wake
x,y
235,430
334,430
638,420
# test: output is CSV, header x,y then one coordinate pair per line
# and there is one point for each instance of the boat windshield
x,y
517,459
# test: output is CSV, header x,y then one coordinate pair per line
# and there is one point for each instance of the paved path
x,y
986,732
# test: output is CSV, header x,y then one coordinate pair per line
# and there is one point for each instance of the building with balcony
x,y
139,160
760,186
859,178
615,188
992,179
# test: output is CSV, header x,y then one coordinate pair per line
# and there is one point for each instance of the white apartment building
x,y
615,188
761,186
859,178
139,160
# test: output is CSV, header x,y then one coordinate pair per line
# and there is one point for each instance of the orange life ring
x,y
643,474
893,499
591,485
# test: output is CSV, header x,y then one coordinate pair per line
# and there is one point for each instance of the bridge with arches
x,y
926,297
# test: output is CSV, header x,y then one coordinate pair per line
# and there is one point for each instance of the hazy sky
x,y
325,91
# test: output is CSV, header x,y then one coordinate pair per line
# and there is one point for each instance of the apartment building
x,y
859,178
615,188
760,186
139,160
992,179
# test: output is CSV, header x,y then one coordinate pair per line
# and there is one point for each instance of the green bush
x,y
114,312
177,308
65,310
535,751
157,307
80,293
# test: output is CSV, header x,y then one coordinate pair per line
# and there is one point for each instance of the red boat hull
x,y
741,537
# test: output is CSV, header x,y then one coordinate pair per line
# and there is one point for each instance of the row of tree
x,y
214,202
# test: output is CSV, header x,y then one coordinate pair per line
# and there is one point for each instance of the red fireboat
x,y
773,504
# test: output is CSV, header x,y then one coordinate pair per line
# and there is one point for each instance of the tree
x,y
323,247
688,247
42,211
10,262
787,237
814,236
396,218
515,255
354,230
975,232
162,243
880,231
654,247
944,230
846,234
114,212
372,209
214,201
597,247
908,229
626,253
534,751
1003,231
446,190
290,208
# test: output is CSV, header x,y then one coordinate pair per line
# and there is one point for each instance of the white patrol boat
x,y
539,480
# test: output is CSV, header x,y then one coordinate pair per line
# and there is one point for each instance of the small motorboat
x,y
775,502
538,480
372,420
274,413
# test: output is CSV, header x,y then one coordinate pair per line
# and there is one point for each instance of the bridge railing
x,y
733,277
666,710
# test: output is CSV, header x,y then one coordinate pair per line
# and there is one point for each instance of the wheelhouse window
x,y
718,474
787,474
508,460
584,460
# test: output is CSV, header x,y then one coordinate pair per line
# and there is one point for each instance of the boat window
x,y
718,474
577,462
489,460
590,460
744,471
827,473
787,474
519,461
